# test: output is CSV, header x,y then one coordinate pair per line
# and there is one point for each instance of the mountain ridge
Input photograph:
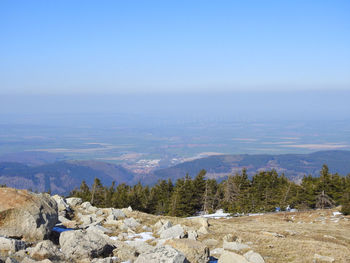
x,y
294,166
63,176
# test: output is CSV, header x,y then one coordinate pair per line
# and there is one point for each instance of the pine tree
x,y
198,190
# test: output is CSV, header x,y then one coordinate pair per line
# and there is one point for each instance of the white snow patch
x,y
218,214
256,214
144,236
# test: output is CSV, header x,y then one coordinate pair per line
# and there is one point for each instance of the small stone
x,y
322,259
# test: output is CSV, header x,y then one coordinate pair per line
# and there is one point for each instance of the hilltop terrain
x,y
85,233
43,172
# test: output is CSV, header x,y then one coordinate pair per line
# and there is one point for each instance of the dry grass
x,y
304,234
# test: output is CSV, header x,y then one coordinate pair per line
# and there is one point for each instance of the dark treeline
x,y
238,194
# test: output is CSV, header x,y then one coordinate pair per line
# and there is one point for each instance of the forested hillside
x,y
60,177
294,166
264,192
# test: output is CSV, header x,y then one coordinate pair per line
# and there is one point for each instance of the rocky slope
x,y
84,233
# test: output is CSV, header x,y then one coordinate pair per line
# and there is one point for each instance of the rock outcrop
x,y
105,235
26,215
176,231
230,257
193,250
164,254
80,244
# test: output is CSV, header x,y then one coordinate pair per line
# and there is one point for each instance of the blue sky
x,y
72,47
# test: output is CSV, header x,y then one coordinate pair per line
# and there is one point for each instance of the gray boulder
x,y
193,250
140,246
74,201
45,250
11,260
85,244
176,231
125,252
254,257
61,203
230,257
116,213
99,229
26,215
88,207
163,225
11,245
192,234
164,254
105,260
131,223
235,246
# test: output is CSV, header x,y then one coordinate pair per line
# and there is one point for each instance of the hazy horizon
x,y
174,79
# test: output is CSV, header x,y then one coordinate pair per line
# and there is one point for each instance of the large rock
x,y
193,250
11,245
26,215
115,214
45,250
235,246
162,225
125,252
105,260
131,223
176,231
254,257
164,254
230,257
192,234
74,201
85,244
203,230
88,207
140,246
10,260
61,203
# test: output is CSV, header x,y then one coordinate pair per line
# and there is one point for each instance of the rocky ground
x,y
40,228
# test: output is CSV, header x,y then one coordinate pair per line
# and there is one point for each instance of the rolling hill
x,y
294,166
61,177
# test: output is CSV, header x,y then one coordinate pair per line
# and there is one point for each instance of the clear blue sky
x,y
166,46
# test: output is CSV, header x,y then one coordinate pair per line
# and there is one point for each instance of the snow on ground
x,y
218,214
255,214
144,236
